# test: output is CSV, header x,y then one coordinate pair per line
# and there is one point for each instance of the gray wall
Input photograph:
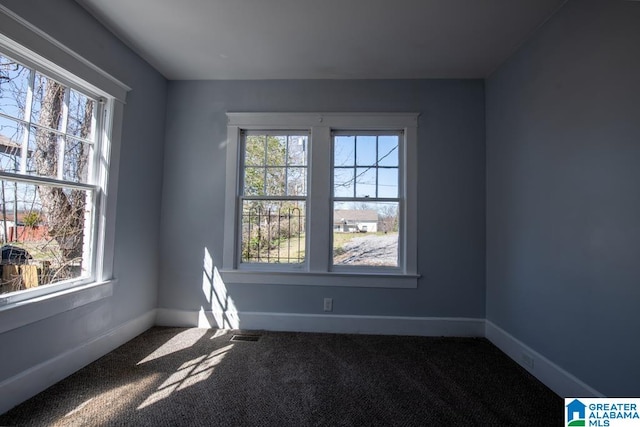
x,y
140,181
563,194
451,192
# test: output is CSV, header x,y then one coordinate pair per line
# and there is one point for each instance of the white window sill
x,y
21,313
359,279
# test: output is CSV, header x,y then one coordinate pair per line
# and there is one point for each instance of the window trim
x,y
34,48
19,34
318,266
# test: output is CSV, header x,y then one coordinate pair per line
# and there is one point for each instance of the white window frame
x,y
35,49
317,269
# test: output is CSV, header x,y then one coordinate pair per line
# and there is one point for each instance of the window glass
x,y
366,200
273,217
365,234
387,150
273,231
14,81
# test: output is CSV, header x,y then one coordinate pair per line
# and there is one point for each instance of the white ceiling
x,y
323,39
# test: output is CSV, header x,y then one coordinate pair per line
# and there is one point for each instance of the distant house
x,y
355,221
8,146
10,151
19,232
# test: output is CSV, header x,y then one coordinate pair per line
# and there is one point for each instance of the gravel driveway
x,y
370,249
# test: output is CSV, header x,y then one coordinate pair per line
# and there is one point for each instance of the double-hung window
x,y
56,223
321,199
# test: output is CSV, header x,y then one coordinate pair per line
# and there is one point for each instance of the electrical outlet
x,y
328,304
527,360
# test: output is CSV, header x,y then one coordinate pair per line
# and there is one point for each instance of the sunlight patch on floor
x,y
110,400
79,407
180,342
188,374
219,333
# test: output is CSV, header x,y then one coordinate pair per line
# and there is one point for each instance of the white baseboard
x,y
553,376
550,374
332,323
28,383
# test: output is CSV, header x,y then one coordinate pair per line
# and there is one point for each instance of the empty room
x,y
356,212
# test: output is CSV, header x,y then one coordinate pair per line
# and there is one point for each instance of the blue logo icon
x,y
576,413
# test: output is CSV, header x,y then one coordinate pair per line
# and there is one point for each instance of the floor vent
x,y
245,337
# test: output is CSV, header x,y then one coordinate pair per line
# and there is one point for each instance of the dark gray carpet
x,y
192,377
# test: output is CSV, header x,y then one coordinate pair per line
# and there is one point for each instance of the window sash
x,y
265,167
399,199
97,124
90,254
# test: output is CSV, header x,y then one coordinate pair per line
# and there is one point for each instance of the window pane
x,y
388,150
366,150
365,182
297,151
48,239
254,181
48,100
42,158
388,182
276,150
343,180
81,110
254,150
365,234
273,231
344,151
14,83
276,182
296,181
11,134
76,160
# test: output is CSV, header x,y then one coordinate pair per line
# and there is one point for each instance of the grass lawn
x,y
41,250
289,251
